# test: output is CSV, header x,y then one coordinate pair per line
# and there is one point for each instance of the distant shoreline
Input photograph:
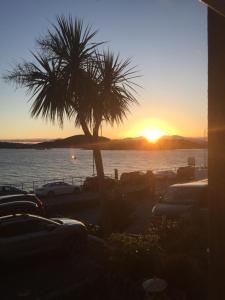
x,y
103,143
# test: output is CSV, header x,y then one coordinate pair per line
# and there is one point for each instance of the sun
x,y
152,134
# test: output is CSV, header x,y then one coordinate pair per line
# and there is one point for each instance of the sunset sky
x,y
166,39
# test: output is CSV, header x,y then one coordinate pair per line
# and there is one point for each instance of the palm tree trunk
x,y
98,163
97,153
104,218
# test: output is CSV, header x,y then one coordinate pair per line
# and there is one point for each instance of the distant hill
x,y
179,142
164,143
139,143
10,145
75,141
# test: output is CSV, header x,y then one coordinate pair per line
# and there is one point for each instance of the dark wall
x,y
218,5
216,142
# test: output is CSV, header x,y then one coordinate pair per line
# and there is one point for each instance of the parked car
x,y
19,207
23,235
56,188
183,199
10,190
27,197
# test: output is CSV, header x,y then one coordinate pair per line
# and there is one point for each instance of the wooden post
x,y
216,115
116,174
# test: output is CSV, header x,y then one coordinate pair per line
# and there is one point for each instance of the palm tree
x,y
68,78
114,87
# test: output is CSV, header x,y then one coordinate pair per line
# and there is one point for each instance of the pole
x,y
116,174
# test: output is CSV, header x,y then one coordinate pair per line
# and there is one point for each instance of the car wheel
x,y
51,194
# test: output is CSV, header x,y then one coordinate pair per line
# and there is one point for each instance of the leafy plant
x,y
134,256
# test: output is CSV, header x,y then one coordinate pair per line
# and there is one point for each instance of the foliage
x,y
175,252
69,77
185,263
185,236
134,256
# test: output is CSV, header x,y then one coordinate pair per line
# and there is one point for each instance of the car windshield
x,y
185,195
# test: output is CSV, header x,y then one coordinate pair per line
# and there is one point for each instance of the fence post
x,y
116,174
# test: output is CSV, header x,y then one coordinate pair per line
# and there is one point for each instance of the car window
x,y
187,195
21,227
14,189
46,185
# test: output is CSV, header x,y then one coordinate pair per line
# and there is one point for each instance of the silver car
x,y
26,235
56,188
183,199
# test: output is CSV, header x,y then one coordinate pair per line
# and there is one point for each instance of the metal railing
x,y
30,186
74,180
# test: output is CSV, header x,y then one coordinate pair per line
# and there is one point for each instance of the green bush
x,y
134,256
185,263
189,238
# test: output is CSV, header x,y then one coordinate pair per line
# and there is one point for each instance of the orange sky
x,y
168,44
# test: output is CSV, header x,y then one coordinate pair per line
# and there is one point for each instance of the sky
x,y
166,40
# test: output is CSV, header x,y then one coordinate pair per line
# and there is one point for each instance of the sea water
x,y
27,165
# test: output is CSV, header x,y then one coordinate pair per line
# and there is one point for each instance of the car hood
x,y
66,221
170,210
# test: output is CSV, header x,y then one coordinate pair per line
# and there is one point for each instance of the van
x,y
183,199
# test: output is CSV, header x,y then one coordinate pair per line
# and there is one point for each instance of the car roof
x,y
199,183
53,183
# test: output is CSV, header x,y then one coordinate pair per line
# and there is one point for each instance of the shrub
x,y
190,238
134,256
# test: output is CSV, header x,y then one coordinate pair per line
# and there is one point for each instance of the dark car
x,y
23,235
20,197
19,207
10,190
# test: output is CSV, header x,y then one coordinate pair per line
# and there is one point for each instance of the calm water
x,y
28,164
